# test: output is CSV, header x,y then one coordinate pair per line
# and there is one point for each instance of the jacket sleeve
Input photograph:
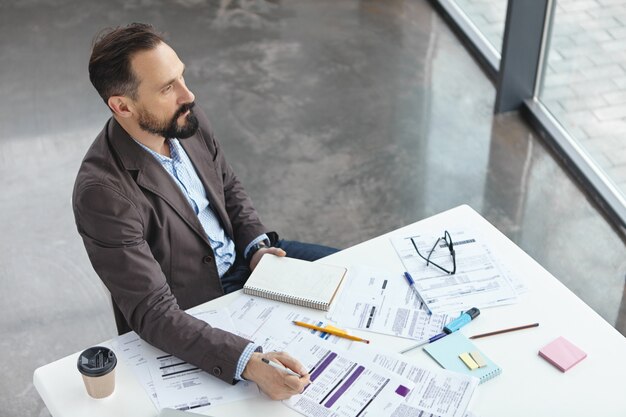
x,y
112,231
243,217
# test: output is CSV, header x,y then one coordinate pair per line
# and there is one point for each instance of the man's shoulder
x,y
99,165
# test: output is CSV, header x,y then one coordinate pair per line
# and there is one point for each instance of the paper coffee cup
x,y
97,366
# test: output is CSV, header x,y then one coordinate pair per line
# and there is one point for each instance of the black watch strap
x,y
255,248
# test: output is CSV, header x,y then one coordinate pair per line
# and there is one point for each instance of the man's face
x,y
164,104
170,128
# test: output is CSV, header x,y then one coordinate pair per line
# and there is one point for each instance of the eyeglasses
x,y
448,242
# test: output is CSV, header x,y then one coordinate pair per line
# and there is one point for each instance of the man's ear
x,y
121,106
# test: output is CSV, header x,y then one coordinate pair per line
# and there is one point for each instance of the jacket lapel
x,y
152,176
202,160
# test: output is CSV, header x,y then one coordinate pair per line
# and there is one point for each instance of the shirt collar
x,y
174,151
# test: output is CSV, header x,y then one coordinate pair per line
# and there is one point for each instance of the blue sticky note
x,y
446,352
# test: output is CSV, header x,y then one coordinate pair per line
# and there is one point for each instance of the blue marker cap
x,y
462,320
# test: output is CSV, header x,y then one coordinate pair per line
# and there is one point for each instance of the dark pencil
x,y
512,329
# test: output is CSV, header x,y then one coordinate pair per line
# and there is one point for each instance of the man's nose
x,y
186,96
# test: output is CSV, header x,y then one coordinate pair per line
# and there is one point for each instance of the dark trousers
x,y
238,274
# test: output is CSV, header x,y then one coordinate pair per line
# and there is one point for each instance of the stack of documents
x,y
173,383
342,384
383,302
348,379
480,280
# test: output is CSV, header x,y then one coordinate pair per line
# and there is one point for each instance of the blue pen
x,y
425,342
409,278
462,320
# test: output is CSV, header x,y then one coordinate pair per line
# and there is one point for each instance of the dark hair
x,y
110,68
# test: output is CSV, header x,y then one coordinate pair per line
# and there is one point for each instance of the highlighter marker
x,y
462,320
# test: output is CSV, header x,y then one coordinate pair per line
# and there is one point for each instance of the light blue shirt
x,y
181,169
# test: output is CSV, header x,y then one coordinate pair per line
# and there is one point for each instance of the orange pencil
x,y
331,330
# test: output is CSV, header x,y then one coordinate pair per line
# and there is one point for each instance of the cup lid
x,y
96,361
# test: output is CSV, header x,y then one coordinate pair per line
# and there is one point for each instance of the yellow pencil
x,y
331,330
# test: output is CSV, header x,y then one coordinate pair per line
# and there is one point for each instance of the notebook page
x,y
296,278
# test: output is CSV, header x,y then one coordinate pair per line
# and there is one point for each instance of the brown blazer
x,y
149,248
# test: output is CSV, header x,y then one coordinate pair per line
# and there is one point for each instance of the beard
x,y
170,129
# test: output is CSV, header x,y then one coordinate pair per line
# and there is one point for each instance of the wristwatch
x,y
255,248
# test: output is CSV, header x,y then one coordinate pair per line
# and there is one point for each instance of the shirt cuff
x,y
244,358
255,241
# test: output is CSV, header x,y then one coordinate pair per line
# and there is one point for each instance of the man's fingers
x,y
296,384
257,256
276,383
276,251
291,363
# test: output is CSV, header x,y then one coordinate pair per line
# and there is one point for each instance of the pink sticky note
x,y
562,353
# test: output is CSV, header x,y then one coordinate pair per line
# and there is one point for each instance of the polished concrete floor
x,y
344,118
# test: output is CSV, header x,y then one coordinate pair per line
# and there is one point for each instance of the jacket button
x,y
207,259
217,371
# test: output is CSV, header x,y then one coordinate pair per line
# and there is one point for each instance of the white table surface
x,y
528,386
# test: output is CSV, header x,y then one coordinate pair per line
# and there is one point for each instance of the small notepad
x,y
446,352
562,353
303,283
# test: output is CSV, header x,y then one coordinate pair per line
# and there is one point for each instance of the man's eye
x,y
168,88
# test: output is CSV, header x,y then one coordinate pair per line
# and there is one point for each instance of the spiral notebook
x,y
447,351
303,283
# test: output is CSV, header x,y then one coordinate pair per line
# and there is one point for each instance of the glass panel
x,y
488,16
584,84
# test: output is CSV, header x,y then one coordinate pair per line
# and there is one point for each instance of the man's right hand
x,y
278,385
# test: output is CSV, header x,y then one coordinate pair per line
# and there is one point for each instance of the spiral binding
x,y
490,375
286,298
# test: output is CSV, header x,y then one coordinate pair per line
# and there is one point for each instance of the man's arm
x,y
112,230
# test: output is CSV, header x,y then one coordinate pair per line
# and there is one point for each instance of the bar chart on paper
x,y
342,386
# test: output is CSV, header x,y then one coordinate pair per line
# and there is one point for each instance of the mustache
x,y
183,108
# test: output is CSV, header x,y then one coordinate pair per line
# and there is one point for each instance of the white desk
x,y
528,386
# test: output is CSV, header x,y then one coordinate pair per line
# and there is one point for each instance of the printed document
x,y
270,323
130,348
383,302
348,378
173,383
405,410
439,392
479,280
342,386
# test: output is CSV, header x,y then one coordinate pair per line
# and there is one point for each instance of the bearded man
x,y
166,222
